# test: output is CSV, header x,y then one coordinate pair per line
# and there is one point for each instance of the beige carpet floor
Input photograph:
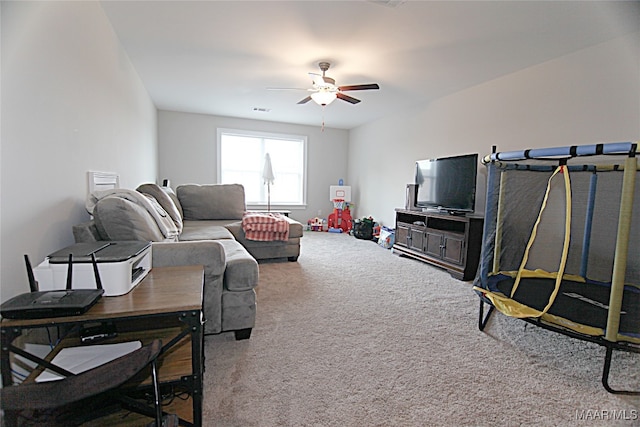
x,y
353,335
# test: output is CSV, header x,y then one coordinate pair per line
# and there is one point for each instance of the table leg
x,y
195,322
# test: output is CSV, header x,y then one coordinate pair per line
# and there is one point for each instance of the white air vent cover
x,y
103,181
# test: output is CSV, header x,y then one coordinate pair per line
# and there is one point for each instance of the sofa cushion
x,y
117,218
295,229
164,200
205,230
163,220
175,200
241,273
213,201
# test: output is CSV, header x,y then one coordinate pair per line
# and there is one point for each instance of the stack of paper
x,y
80,359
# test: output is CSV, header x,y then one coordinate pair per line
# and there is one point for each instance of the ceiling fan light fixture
x,y
323,97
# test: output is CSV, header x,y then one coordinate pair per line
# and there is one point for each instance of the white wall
x,y
187,153
589,96
71,102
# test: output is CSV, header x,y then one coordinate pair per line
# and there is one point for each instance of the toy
x,y
341,216
316,224
387,237
363,229
376,230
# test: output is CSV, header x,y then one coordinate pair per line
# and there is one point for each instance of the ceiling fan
x,y
325,90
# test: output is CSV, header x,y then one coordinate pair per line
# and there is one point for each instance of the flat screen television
x,y
447,183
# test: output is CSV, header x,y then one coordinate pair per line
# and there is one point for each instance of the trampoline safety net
x,y
561,241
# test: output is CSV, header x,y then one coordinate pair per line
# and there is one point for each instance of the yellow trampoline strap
x,y
567,237
565,248
509,306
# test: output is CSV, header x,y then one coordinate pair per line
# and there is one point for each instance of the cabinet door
x,y
417,238
402,234
433,244
453,248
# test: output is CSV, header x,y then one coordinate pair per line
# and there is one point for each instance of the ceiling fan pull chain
x,y
322,128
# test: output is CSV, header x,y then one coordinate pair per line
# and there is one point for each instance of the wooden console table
x,y
447,241
167,304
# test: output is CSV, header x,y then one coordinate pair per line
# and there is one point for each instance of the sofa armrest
x,y
207,253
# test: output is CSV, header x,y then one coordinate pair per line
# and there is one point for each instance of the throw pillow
x,y
120,219
212,201
164,200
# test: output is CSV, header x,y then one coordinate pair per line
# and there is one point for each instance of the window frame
x,y
267,135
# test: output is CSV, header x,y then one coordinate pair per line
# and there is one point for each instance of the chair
x,y
52,395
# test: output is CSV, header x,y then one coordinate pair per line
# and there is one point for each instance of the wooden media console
x,y
451,242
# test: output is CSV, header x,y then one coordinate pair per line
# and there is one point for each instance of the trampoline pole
x,y
605,375
622,249
482,319
588,222
499,215
489,221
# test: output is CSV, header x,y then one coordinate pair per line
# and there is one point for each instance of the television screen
x,y
447,183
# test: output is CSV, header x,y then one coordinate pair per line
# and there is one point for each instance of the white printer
x,y
122,265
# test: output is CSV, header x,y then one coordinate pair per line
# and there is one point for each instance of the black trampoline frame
x,y
561,155
609,345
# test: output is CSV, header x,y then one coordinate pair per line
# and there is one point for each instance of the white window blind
x,y
241,159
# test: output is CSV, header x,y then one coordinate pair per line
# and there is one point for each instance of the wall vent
x,y
102,181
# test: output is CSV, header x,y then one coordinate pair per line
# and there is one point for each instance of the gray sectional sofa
x,y
198,224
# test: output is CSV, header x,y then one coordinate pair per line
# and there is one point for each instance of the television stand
x,y
447,241
457,213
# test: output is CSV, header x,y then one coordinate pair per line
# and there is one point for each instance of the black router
x,y
54,303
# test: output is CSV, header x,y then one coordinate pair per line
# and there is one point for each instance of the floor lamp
x,y
267,175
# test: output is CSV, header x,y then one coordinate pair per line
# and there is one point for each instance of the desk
x,y
167,304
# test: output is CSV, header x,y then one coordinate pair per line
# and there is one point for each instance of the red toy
x,y
340,218
316,224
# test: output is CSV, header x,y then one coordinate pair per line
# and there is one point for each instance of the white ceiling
x,y
219,57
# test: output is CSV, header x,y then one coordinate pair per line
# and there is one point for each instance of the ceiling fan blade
x,y
347,98
367,86
304,101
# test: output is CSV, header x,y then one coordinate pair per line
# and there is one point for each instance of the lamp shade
x,y
267,170
323,97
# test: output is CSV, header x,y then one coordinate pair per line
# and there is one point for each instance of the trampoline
x,y
561,243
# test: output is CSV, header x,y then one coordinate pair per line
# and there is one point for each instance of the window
x,y
241,158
